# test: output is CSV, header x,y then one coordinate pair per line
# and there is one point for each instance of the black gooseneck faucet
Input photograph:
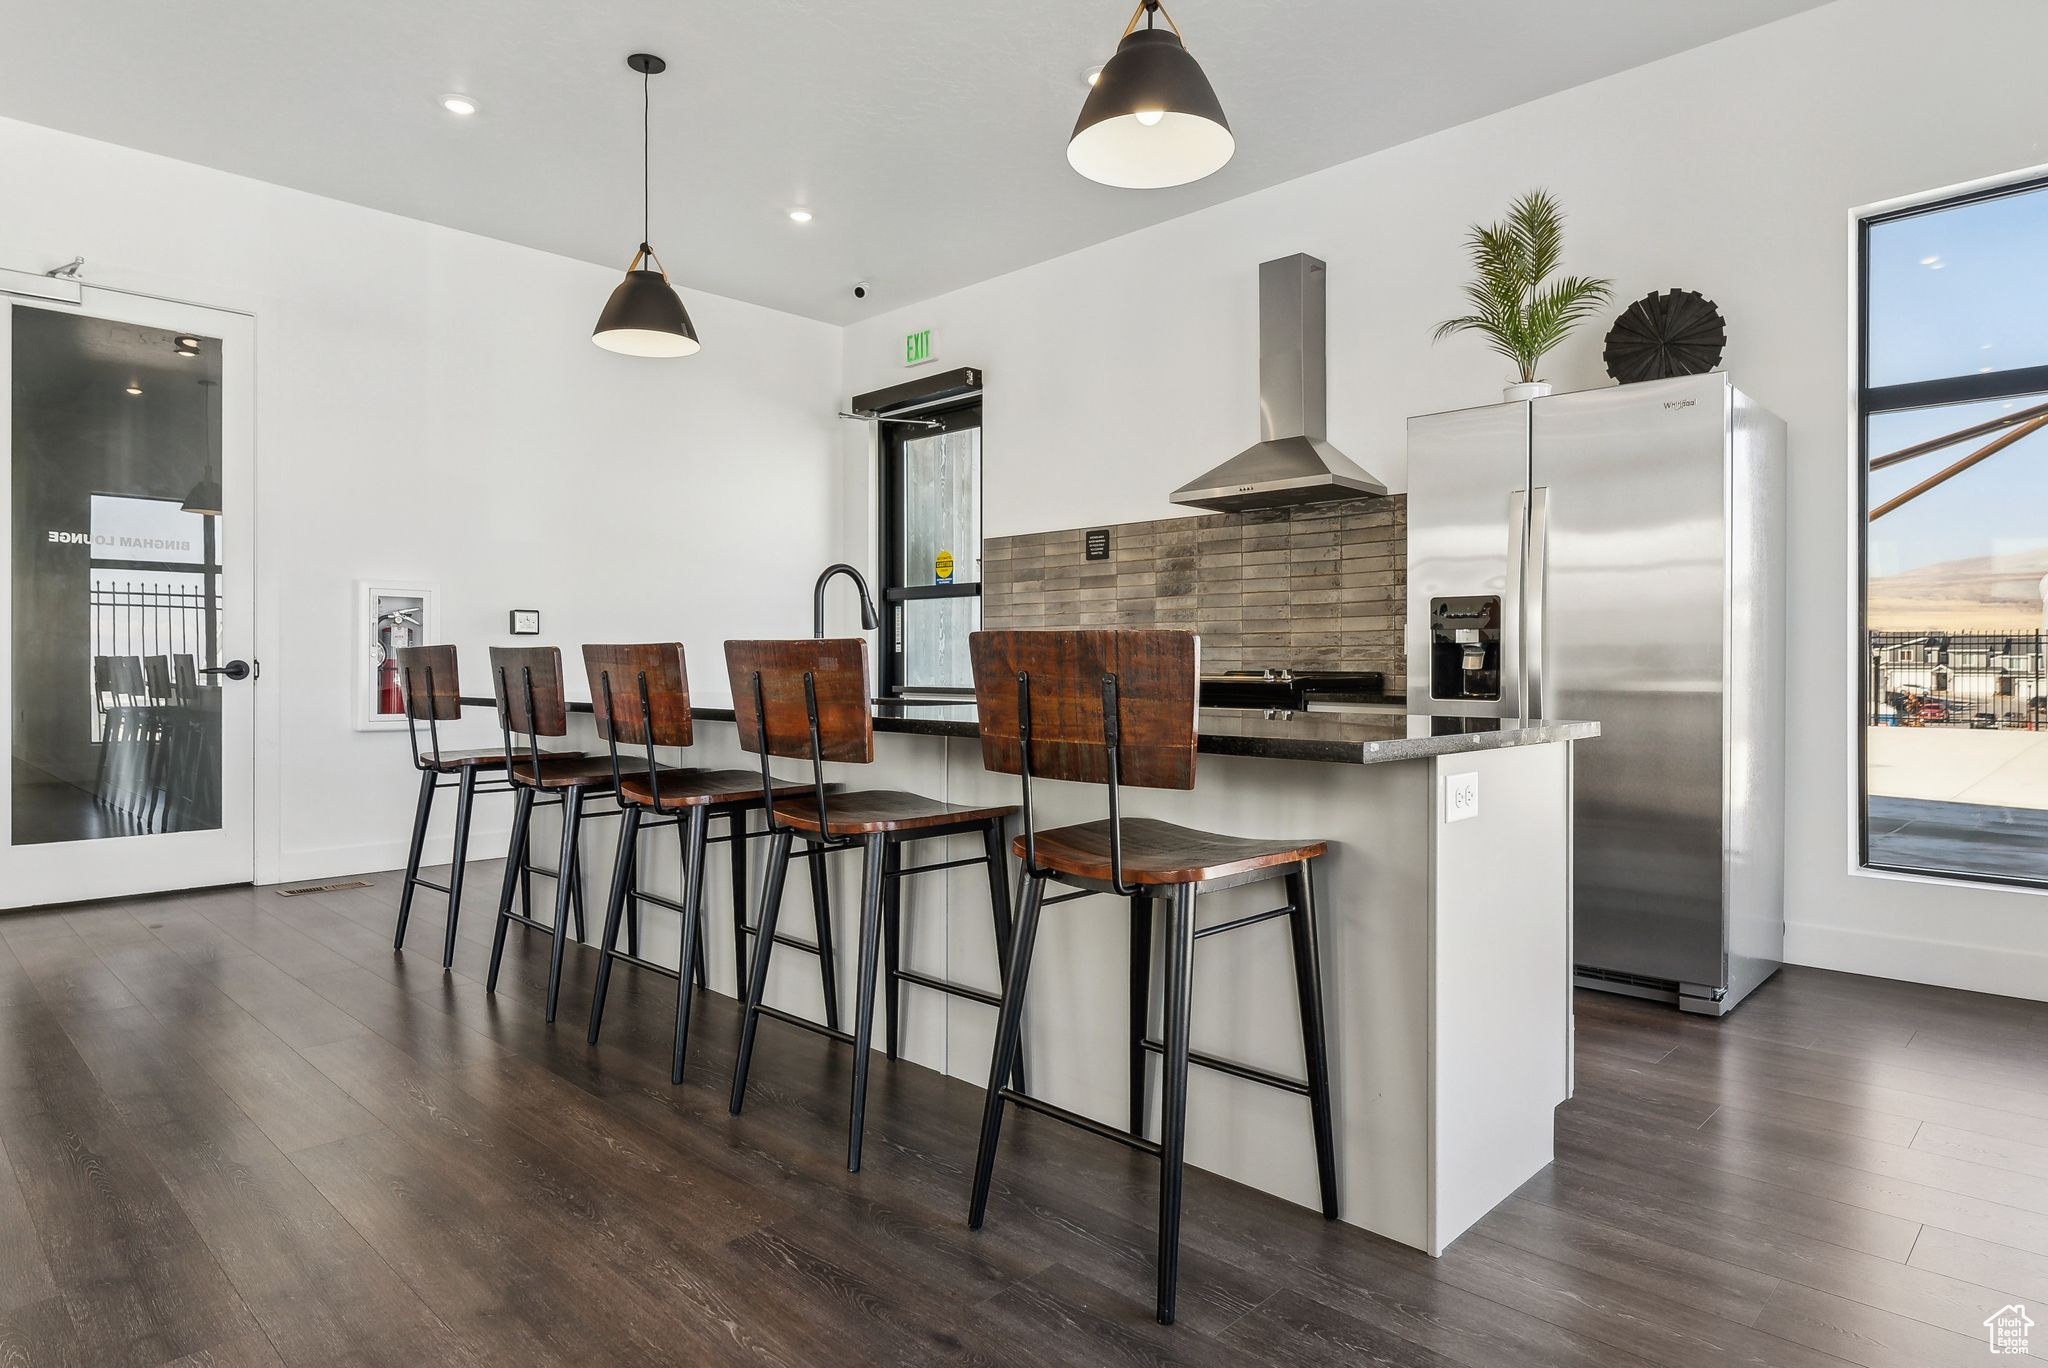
x,y
867,604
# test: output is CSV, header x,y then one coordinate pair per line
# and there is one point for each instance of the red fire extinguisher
x,y
394,629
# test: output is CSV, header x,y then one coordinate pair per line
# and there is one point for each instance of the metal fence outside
x,y
1983,680
142,618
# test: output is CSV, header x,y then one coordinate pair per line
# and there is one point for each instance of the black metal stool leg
x,y
630,852
515,869
412,860
465,803
757,977
571,865
736,827
698,972
999,903
1009,1024
614,909
566,894
821,914
874,857
1173,1112
1308,980
892,943
1141,1006
694,828
524,845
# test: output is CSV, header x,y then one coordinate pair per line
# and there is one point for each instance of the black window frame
x,y
2021,381
949,415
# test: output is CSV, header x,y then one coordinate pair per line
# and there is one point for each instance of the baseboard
x,y
300,866
1914,959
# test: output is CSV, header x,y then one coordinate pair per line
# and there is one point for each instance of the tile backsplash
x,y
1321,587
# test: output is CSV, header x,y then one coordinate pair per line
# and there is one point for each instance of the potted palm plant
x,y
1523,313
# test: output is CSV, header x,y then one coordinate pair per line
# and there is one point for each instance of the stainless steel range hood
x,y
1293,463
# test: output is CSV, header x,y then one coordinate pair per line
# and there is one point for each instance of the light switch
x,y
1461,796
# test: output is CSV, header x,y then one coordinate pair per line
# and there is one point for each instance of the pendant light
x,y
1151,119
645,316
204,497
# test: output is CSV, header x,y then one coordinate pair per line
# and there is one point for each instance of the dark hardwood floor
x,y
236,1129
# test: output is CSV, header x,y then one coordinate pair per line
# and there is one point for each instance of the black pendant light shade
x,y
204,498
645,316
1152,119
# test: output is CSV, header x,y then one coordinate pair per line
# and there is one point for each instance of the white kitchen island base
x,y
1446,949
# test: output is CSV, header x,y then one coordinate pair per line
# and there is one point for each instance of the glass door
x,y
129,621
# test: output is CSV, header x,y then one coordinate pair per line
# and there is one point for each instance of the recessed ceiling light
x,y
799,216
135,387
186,346
459,104
1092,74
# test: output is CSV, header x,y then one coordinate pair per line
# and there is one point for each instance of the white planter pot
x,y
1535,389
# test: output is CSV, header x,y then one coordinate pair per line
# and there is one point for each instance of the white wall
x,y
430,407
1118,372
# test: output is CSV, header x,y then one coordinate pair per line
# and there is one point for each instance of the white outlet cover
x,y
1461,796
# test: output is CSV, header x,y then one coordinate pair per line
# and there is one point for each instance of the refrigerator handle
x,y
1512,636
1538,591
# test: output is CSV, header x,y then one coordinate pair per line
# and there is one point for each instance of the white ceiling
x,y
928,136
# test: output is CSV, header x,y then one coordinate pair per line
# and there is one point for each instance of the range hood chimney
x,y
1292,463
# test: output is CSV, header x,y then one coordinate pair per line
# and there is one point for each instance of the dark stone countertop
x,y
1349,738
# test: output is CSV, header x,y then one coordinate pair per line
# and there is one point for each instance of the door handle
x,y
234,669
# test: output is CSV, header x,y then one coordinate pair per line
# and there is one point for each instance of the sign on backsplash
x,y
918,348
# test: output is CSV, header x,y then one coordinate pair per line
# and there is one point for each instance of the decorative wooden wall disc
x,y
1678,332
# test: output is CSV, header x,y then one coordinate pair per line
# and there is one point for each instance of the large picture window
x,y
1954,416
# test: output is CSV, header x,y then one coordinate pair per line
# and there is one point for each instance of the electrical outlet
x,y
1461,796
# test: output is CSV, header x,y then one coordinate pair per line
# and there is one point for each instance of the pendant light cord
x,y
646,160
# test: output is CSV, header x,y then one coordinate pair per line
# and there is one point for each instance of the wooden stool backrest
x,y
640,694
426,675
510,667
1063,673
838,670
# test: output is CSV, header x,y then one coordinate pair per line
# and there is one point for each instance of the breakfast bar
x,y
1445,905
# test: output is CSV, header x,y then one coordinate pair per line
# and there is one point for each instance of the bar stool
x,y
1117,707
528,681
808,700
431,687
641,696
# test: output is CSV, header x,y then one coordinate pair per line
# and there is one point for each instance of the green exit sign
x,y
917,348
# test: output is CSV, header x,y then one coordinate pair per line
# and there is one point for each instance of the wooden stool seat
x,y
568,772
870,812
454,762
1157,854
687,788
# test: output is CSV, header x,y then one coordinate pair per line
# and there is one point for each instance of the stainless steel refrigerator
x,y
1616,555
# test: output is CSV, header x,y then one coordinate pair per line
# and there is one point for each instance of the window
x,y
1954,415
931,547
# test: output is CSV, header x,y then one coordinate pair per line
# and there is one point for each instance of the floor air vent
x,y
1634,985
324,888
